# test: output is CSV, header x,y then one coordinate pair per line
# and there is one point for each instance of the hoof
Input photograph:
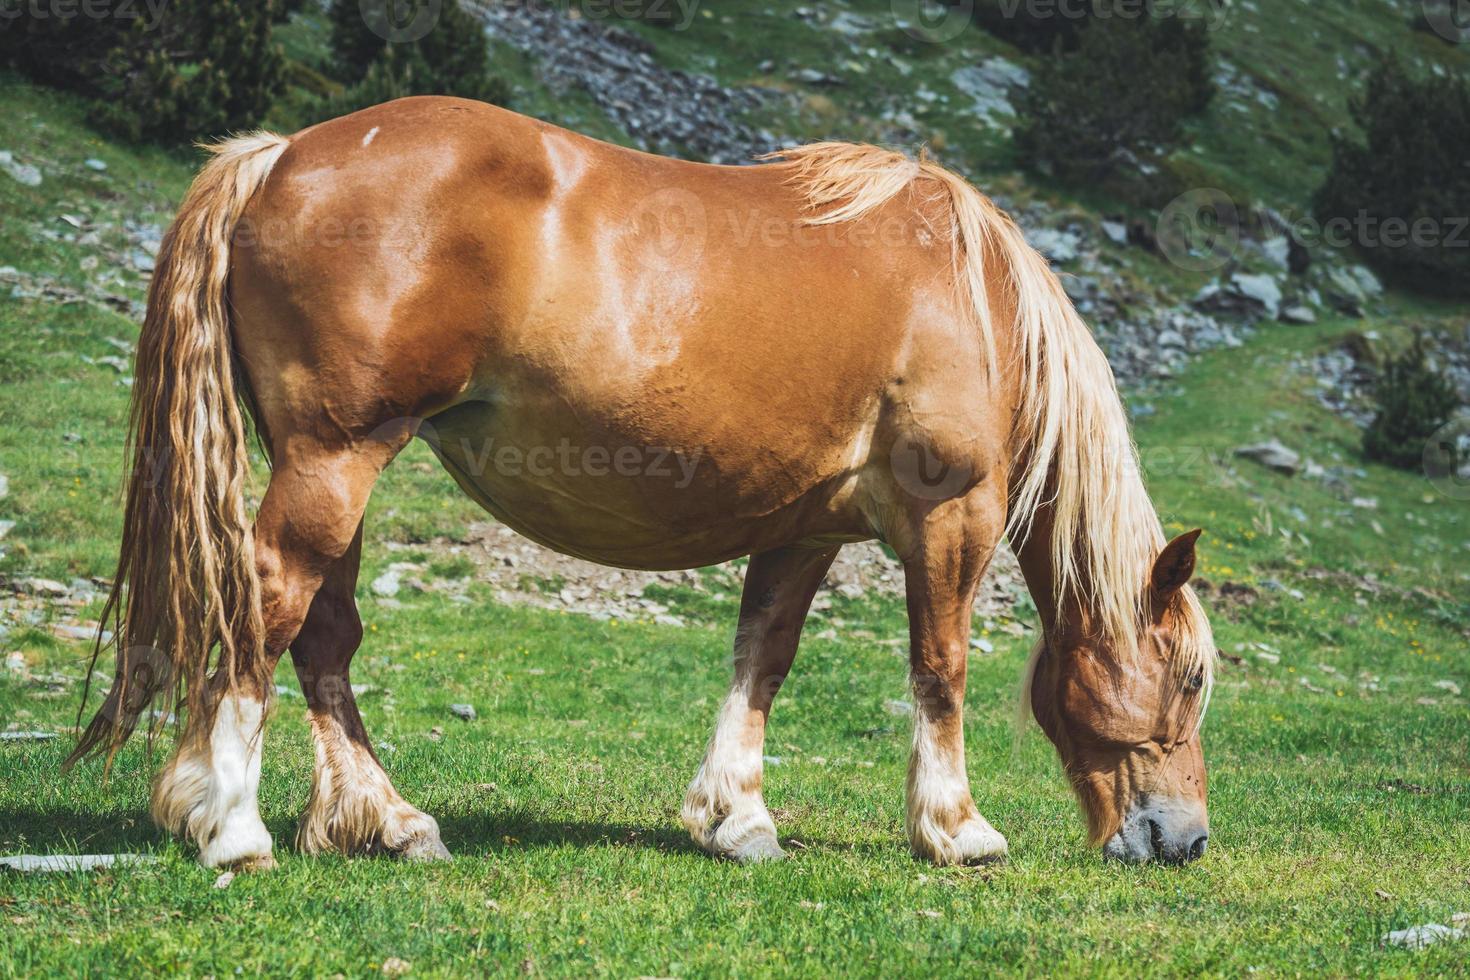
x,y
252,864
425,849
757,850
979,843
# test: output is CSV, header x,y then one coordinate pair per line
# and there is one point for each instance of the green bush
x,y
187,69
1405,191
1116,103
1034,28
1413,402
451,58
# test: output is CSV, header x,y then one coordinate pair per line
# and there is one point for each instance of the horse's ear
x,y
1174,565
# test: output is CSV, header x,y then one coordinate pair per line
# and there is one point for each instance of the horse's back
x,y
523,286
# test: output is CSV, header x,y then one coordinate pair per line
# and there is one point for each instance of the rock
x,y
662,109
1116,232
989,85
1272,455
4,486
1417,937
23,173
223,881
1367,281
33,863
1057,246
894,707
1297,313
92,163
42,587
464,712
1450,686
982,644
1277,251
1261,289
27,736
810,76
388,583
1345,293
395,967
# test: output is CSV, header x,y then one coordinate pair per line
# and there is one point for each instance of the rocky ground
x,y
665,111
525,573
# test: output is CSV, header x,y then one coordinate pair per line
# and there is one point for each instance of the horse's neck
x,y
1033,554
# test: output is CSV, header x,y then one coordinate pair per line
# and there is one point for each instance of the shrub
x,y
1117,101
451,58
1406,190
195,68
1413,402
1034,28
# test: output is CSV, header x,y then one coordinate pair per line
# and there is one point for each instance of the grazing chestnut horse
x,y
647,363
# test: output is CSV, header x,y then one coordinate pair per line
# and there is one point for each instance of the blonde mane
x,y
1080,462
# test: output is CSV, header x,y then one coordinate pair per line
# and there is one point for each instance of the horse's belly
x,y
608,495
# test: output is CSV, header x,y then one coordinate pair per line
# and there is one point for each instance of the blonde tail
x,y
186,582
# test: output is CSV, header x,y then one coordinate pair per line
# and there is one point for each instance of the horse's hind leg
x,y
724,810
306,522
354,808
951,549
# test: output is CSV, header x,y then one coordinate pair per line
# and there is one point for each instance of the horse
x,y
841,343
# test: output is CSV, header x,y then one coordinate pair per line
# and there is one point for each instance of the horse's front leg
x,y
724,809
952,548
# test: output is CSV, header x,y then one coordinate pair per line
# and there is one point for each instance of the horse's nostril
x,y
1197,849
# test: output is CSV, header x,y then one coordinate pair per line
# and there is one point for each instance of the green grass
x,y
560,800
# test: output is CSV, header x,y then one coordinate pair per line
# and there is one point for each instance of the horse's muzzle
x,y
1160,829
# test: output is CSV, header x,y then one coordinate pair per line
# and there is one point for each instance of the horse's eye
x,y
1196,680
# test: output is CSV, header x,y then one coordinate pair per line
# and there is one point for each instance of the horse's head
x,y
1127,725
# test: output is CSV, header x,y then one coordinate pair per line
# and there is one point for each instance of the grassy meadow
x,y
1338,743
